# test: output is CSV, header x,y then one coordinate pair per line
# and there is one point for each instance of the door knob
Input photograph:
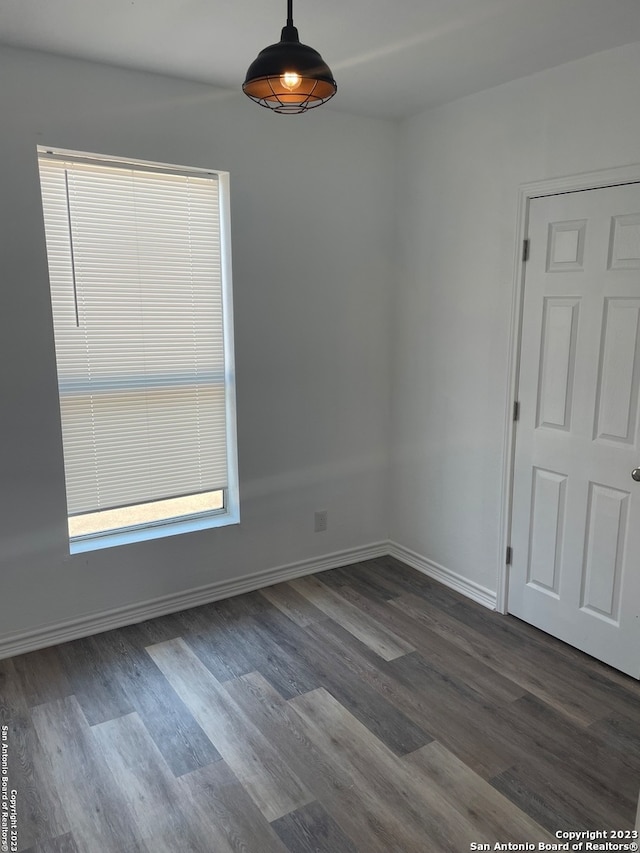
x,y
636,474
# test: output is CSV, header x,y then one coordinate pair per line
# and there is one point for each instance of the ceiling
x,y
391,58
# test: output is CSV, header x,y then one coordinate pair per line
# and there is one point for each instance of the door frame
x,y
611,177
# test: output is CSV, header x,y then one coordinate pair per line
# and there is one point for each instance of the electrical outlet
x,y
320,521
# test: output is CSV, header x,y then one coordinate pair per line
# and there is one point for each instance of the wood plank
x,y
366,702
284,668
456,715
566,775
492,814
246,647
541,680
229,816
238,606
183,744
528,729
163,628
591,668
590,680
384,643
409,808
435,712
620,733
312,830
220,641
608,776
62,844
157,811
274,788
351,805
40,811
94,684
42,676
549,802
438,650
289,602
362,576
403,579
95,803
350,769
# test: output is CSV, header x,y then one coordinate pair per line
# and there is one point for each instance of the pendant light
x,y
289,77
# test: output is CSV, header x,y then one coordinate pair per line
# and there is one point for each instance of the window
x,y
139,269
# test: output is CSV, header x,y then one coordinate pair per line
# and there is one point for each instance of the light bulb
x,y
291,80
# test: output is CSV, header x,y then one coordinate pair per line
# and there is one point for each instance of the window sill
x,y
158,531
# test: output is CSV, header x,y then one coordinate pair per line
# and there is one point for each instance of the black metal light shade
x,y
289,77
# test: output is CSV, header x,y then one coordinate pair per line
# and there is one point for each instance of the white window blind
x,y
137,293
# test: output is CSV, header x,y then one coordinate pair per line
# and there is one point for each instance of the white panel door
x,y
576,505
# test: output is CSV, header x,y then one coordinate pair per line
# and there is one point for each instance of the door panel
x,y
576,510
558,354
619,375
547,528
604,550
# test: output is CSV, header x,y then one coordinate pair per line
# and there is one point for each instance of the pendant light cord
x,y
289,13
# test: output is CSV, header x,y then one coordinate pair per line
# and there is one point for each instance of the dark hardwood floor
x,y
364,709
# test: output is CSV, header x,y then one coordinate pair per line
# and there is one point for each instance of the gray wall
x,y
461,166
334,320
312,203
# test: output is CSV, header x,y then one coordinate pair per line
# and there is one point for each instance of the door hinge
x,y
516,410
509,555
526,245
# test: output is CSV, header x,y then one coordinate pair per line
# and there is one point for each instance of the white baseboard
x,y
96,623
445,576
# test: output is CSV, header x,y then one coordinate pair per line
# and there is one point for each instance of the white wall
x,y
312,216
461,165
312,321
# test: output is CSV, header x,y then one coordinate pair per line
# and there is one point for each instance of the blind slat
x,y
136,289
